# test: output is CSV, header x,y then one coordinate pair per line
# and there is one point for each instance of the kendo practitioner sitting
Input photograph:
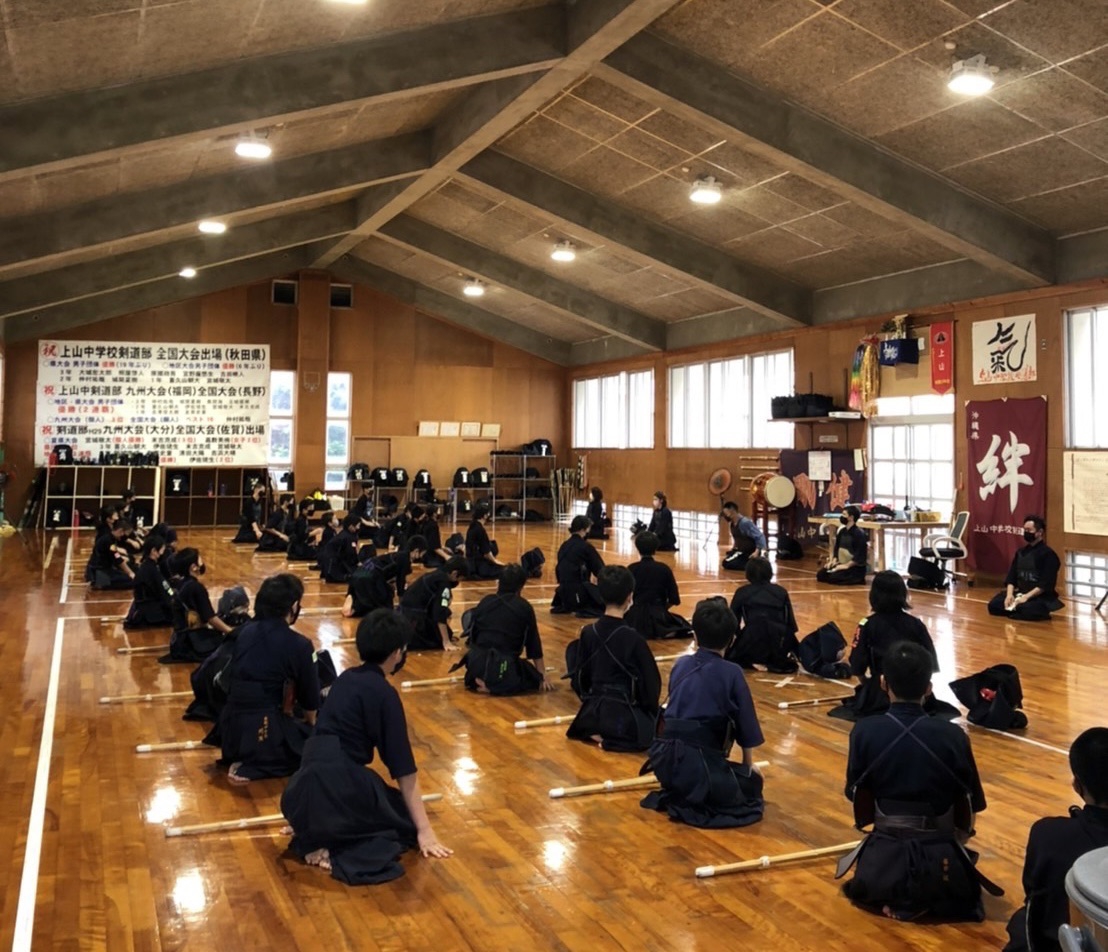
x,y
1029,588
888,624
481,551
914,778
275,536
578,563
109,565
392,530
380,578
747,540
153,599
252,520
613,671
426,606
197,629
846,565
1056,843
595,512
655,594
304,538
339,558
661,523
767,625
709,709
272,669
436,553
209,683
344,817
364,510
500,628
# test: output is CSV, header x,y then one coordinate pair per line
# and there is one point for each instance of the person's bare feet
x,y
320,858
482,688
234,776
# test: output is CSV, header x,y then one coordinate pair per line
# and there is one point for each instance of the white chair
x,y
948,546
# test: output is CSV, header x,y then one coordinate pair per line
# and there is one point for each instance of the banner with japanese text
x,y
193,404
814,497
1007,476
942,356
1004,350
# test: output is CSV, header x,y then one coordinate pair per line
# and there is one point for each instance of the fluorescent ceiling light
x,y
564,251
210,227
189,272
706,191
971,77
251,146
473,288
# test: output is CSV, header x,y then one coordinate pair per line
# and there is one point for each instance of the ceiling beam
x,y
159,293
260,92
149,264
590,31
1083,257
445,307
596,312
50,235
785,302
702,92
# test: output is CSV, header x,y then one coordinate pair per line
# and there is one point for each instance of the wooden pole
x,y
165,695
671,657
427,682
607,786
174,745
816,700
247,822
764,862
142,649
545,721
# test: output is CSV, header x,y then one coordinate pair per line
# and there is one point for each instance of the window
x,y
337,451
282,384
1086,574
1086,354
726,403
614,412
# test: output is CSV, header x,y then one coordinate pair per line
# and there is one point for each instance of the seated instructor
x,y
847,563
1029,593
747,540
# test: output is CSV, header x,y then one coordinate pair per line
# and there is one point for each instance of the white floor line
x,y
1025,740
28,887
65,571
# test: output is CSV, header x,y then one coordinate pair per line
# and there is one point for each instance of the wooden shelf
x,y
75,494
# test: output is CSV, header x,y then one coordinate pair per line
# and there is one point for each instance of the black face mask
x,y
843,520
403,658
1028,537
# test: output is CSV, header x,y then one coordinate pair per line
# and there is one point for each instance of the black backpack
x,y
532,561
461,478
819,652
993,697
357,471
480,477
422,480
398,477
788,548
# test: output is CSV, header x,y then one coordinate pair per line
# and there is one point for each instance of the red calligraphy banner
x,y
1007,477
942,357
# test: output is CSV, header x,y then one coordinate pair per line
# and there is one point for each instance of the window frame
x,y
1088,352
334,467
629,424
284,418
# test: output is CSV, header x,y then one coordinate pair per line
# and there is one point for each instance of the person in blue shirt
x,y
344,816
709,709
747,539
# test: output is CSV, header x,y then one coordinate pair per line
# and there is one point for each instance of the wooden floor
x,y
528,872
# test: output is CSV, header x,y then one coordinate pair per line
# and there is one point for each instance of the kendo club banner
x,y
193,405
1007,476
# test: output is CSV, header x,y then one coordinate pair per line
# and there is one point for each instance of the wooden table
x,y
876,532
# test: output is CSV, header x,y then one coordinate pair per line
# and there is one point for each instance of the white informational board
x,y
1085,492
450,428
819,466
471,429
428,428
193,404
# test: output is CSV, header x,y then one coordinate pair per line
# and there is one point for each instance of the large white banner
x,y
1004,350
193,404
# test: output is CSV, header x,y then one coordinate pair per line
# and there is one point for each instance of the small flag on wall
x,y
942,357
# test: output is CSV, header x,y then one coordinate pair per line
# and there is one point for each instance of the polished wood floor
x,y
528,872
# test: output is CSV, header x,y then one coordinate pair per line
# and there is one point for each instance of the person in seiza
x,y
612,669
197,628
481,551
914,778
846,564
709,708
251,520
1056,843
275,534
153,597
338,558
577,565
274,693
426,607
1029,588
344,816
656,593
502,626
747,539
661,523
364,510
595,512
304,540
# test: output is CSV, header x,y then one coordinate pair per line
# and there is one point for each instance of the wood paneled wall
x,y
406,366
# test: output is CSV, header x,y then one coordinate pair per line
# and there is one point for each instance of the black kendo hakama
x,y
500,628
655,593
153,599
192,639
425,604
578,563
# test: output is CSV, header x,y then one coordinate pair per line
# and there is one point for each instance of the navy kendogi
x,y
709,709
426,605
578,563
501,627
656,593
